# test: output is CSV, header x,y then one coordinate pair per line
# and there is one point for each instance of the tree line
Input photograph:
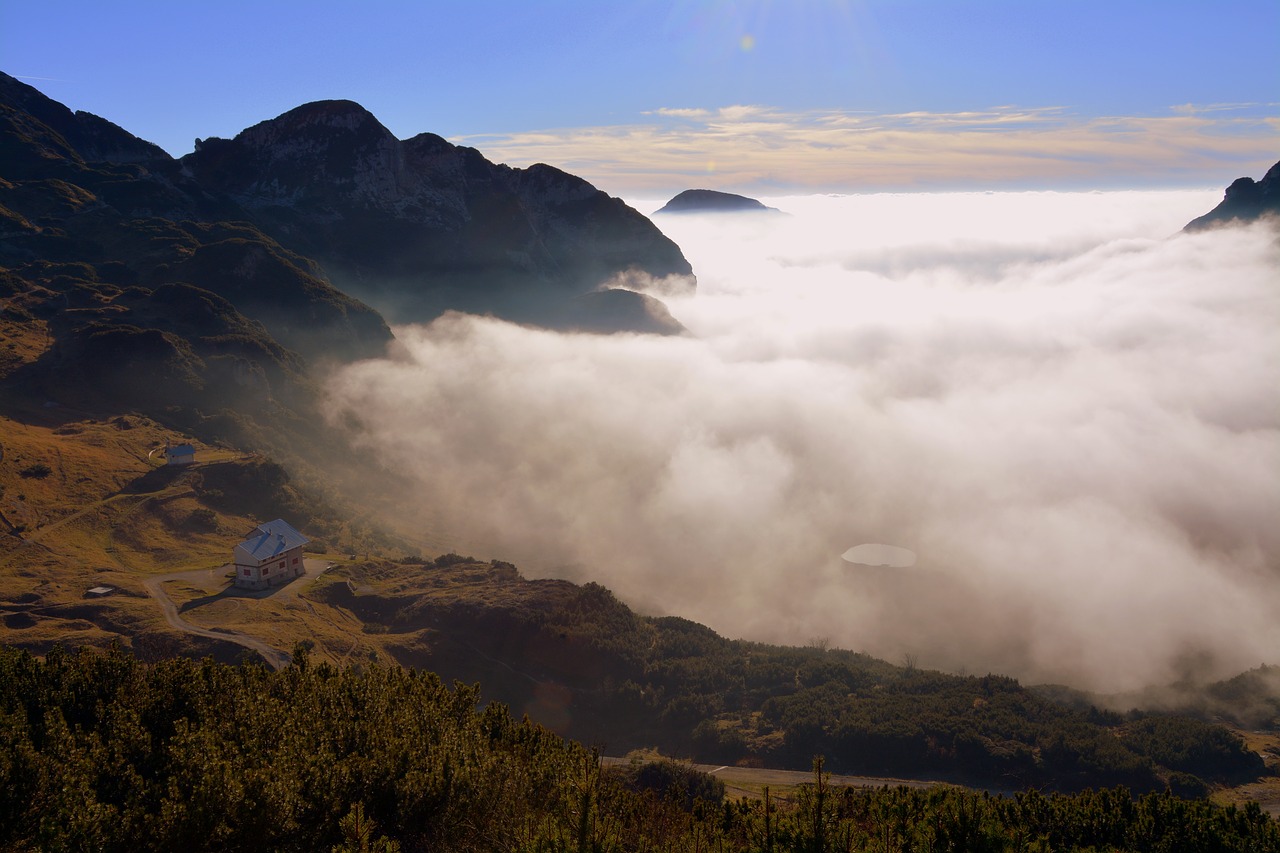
x,y
99,751
675,684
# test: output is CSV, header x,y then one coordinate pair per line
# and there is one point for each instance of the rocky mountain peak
x,y
331,119
323,151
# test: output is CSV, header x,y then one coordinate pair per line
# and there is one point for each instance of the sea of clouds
x,y
1066,408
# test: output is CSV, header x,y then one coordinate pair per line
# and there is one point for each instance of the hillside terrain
x,y
571,657
87,502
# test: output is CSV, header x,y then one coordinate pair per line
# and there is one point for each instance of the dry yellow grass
x,y
285,617
104,498
23,339
106,513
1265,791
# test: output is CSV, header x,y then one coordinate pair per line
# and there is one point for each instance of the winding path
x,y
276,658
155,586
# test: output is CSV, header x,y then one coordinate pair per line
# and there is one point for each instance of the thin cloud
x,y
749,147
680,113
1198,109
742,112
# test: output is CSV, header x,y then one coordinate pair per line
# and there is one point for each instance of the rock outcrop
x,y
1245,201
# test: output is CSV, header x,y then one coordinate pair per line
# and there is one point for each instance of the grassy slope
x,y
109,513
105,514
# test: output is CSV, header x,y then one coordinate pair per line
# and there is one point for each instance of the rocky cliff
x,y
1245,201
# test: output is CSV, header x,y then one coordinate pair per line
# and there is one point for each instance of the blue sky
x,y
650,96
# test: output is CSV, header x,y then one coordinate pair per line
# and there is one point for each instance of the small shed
x,y
271,555
180,454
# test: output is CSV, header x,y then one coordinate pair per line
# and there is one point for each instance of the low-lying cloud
x,y
1070,416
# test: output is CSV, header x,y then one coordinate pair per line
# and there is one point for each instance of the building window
x,y
266,570
282,564
295,561
246,571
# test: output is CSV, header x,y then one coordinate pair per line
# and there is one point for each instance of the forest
x,y
99,751
638,681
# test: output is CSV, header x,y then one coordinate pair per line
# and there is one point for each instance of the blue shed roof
x,y
272,538
180,450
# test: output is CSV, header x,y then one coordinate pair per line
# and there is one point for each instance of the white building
x,y
271,555
180,454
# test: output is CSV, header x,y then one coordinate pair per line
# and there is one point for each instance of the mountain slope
x,y
77,189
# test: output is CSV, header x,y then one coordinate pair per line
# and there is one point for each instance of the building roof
x,y
180,450
272,538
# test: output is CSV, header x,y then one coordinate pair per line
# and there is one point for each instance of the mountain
x,y
206,292
421,226
198,298
1245,201
412,228
713,201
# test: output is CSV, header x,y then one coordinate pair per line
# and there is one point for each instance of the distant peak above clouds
x,y
714,201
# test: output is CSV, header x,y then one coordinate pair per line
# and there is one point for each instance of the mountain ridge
x,y
413,228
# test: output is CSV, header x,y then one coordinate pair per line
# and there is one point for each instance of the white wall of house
x,y
276,570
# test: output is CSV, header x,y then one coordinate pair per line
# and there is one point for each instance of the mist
x,y
1065,408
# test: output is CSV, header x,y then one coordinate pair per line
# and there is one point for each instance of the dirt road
x,y
750,782
276,658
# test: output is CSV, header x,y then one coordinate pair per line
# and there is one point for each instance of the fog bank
x,y
1067,410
